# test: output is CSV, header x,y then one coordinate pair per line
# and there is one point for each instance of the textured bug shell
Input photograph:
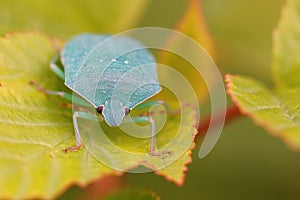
x,y
115,72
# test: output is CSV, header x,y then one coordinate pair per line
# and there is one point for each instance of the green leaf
x,y
130,194
278,111
69,17
35,129
286,46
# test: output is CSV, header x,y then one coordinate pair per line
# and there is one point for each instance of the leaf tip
x,y
179,180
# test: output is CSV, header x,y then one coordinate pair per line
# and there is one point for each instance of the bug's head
x,y
113,112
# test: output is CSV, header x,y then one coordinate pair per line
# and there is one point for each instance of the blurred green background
x,y
247,163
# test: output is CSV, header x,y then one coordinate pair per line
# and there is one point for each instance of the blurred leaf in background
x,y
193,25
286,47
69,17
278,110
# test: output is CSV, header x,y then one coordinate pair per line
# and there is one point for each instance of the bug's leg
x,y
155,102
60,73
56,69
76,115
70,105
62,94
153,129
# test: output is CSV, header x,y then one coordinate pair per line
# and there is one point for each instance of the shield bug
x,y
113,73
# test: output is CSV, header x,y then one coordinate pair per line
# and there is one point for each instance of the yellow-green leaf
x,y
278,111
122,151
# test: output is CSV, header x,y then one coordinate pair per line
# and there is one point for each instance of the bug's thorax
x,y
113,112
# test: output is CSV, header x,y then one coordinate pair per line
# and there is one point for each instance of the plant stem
x,y
232,112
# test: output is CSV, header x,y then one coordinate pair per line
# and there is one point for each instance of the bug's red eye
x,y
126,111
100,109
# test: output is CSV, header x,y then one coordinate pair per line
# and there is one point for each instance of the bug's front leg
x,y
149,119
56,69
76,115
62,94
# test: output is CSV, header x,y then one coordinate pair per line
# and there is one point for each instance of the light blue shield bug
x,y
113,73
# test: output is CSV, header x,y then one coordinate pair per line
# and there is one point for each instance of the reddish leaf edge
x,y
191,148
190,151
236,102
185,169
183,173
